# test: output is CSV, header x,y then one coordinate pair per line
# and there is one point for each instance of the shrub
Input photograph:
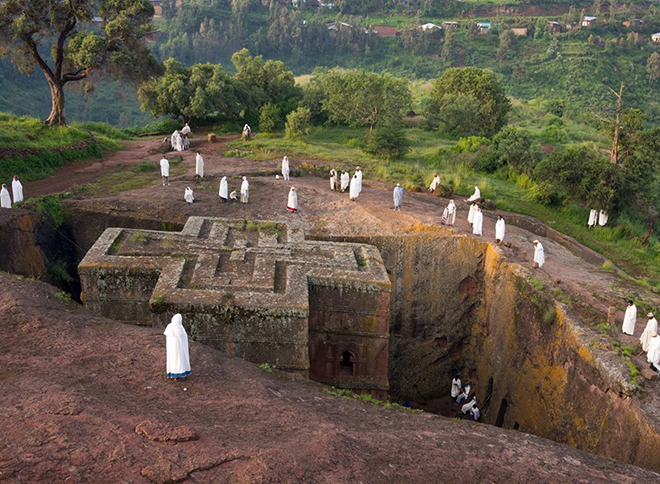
x,y
297,124
269,118
556,107
389,141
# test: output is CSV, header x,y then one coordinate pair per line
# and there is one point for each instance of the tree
x,y
507,45
297,124
653,68
514,147
448,48
78,48
389,140
202,92
269,118
481,85
361,98
456,114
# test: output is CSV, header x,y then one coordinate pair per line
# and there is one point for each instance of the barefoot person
x,y
5,200
478,223
17,190
354,191
435,184
333,180
651,327
285,168
165,170
398,196
500,229
630,318
292,204
451,213
476,195
472,212
223,189
358,173
188,195
653,356
539,254
176,340
345,180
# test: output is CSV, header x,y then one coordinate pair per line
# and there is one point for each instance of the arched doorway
x,y
347,364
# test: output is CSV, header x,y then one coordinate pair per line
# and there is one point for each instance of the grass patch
x,y
367,398
62,296
538,285
607,265
139,238
266,367
51,209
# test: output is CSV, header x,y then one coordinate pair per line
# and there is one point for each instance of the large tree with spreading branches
x,y
70,40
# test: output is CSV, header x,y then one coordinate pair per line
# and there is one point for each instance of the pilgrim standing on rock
x,y
539,254
500,228
630,318
285,168
398,196
185,130
602,218
17,190
176,341
292,203
478,224
476,195
345,180
651,327
653,355
165,170
451,213
358,173
223,189
455,387
354,191
333,180
5,200
472,212
188,195
593,218
199,165
245,190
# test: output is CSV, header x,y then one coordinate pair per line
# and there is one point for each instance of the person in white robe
x,y
455,387
653,355
472,212
476,195
188,195
185,130
354,191
333,180
177,141
451,213
223,189
245,190
165,170
17,190
186,143
285,168
651,327
478,224
176,342
445,215
593,216
5,200
358,172
602,218
630,318
233,196
500,229
345,180
465,394
292,202
539,254
435,184
475,413
199,165
466,408
246,131
398,196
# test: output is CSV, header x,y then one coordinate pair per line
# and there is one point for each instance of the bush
x,y
556,107
269,118
297,124
389,141
514,147
553,135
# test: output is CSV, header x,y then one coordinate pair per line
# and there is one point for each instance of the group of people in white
x,y
179,140
597,217
16,191
460,394
650,340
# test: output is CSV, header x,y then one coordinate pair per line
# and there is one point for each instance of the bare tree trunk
x,y
56,117
614,157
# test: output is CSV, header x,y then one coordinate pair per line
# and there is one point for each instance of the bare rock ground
x,y
86,400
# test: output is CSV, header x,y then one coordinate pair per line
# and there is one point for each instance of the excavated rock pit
x,y
457,306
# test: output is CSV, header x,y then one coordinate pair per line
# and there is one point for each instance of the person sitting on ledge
x,y
464,394
475,196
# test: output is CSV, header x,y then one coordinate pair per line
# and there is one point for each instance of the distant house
x,y
483,27
633,22
430,27
338,26
588,21
158,8
520,31
451,25
384,31
655,38
554,27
